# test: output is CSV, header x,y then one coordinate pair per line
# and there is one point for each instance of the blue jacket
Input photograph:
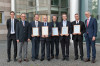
x,y
92,28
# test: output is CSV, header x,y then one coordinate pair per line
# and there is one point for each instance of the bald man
x,y
45,40
90,36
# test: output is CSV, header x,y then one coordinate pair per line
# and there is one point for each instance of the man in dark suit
x,y
65,39
78,37
55,39
35,39
23,36
45,40
90,36
11,36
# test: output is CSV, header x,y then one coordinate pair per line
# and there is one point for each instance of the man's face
x,y
87,14
36,17
54,18
23,16
64,17
77,17
12,15
45,18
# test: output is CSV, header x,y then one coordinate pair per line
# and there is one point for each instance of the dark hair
x,y
54,15
76,14
12,12
64,14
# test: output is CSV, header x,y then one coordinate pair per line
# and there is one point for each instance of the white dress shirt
x,y
77,22
64,23
12,26
36,23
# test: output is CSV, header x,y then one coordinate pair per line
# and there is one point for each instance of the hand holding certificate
x,y
35,31
64,31
55,31
76,29
45,31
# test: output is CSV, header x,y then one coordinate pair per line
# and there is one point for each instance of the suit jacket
x,y
92,28
50,32
22,32
9,26
32,24
69,30
82,29
57,25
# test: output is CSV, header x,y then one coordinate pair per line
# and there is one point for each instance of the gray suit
x,y
23,34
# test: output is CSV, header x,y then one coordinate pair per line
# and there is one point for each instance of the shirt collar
x,y
64,20
77,21
36,21
89,18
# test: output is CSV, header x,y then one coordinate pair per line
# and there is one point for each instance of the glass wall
x,y
94,7
0,17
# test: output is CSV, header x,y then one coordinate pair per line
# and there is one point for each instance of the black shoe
x,y
37,58
67,58
33,59
87,60
76,58
52,57
15,59
63,59
56,57
8,60
48,59
41,59
81,59
93,61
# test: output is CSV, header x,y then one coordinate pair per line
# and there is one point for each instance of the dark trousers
x,y
65,45
80,43
35,48
43,43
9,40
55,42
89,44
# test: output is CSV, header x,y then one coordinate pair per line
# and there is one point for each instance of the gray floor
x,y
54,62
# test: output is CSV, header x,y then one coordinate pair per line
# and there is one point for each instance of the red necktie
x,y
87,22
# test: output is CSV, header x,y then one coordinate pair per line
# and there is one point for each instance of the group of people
x,y
20,33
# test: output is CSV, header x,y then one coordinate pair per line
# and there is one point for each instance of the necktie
x,y
45,24
77,22
54,24
36,23
87,22
12,25
23,23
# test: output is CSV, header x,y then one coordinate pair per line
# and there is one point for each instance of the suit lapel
x,y
89,22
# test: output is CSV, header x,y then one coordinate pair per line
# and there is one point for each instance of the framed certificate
x,y
45,30
35,31
76,29
55,31
64,31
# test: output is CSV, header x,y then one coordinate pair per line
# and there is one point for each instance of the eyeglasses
x,y
23,16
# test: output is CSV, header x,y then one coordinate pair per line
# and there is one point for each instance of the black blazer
x,y
69,30
82,26
57,25
32,24
50,32
23,32
9,26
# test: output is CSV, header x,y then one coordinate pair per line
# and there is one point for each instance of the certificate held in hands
x,y
64,31
76,29
35,31
55,31
45,30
